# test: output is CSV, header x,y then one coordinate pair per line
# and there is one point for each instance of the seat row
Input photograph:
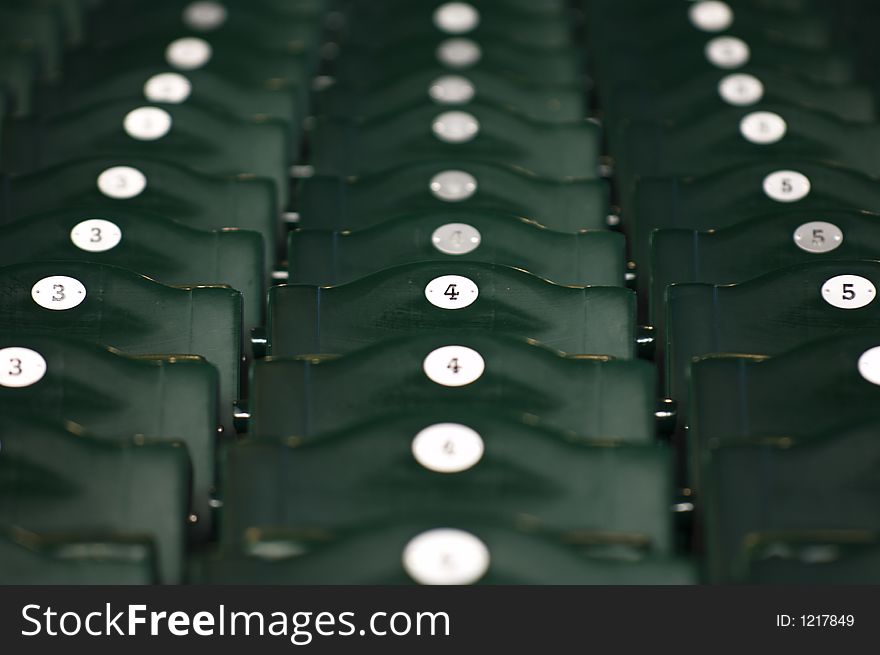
x,y
464,403
738,133
145,159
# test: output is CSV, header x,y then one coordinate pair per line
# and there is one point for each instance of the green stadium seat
x,y
201,88
328,257
442,551
771,35
440,55
248,24
104,559
716,90
230,58
556,103
203,202
472,464
595,397
516,7
68,381
690,58
824,482
149,244
761,245
441,296
767,315
735,135
57,480
718,201
739,396
115,307
190,136
371,32
475,133
825,557
330,202
659,28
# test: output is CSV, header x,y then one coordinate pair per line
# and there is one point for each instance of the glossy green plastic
x,y
239,62
327,257
371,31
371,554
737,194
556,103
133,314
368,474
693,98
113,396
823,557
247,24
208,90
204,202
761,245
54,480
739,397
713,143
556,151
594,397
508,57
99,559
332,202
149,244
670,65
202,140
442,296
766,315
827,482
659,27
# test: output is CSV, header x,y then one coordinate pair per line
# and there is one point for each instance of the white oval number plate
x,y
456,18
451,90
447,447
204,16
147,123
727,52
172,88
58,292
741,89
453,186
122,182
21,367
188,53
455,127
459,53
711,16
869,365
446,556
786,186
818,237
451,292
456,238
849,292
96,235
763,127
454,366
